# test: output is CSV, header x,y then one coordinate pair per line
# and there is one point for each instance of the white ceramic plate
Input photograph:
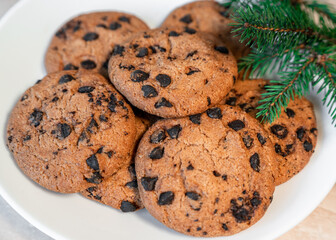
x,y
24,36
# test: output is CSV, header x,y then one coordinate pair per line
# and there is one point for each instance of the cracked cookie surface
x,y
294,133
86,41
71,130
159,73
207,174
209,17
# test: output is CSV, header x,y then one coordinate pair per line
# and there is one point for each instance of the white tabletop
x,y
12,225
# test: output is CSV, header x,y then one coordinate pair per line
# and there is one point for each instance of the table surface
x,y
320,224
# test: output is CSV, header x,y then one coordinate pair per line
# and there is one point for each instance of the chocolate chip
x,y
124,19
307,146
10,139
112,103
127,206
156,153
225,227
24,97
98,197
255,162
139,76
190,167
290,113
278,150
215,113
86,89
114,26
255,202
240,213
27,138
173,34
196,119
148,183
279,131
163,103
132,184
189,30
63,131
61,33
102,118
118,50
109,154
96,178
166,198
209,101
261,139
192,71
142,52
224,177
198,229
69,66
35,118
313,131
216,174
157,136
148,91
236,125
163,79
231,101
65,78
92,162
186,19
91,36
88,64
191,54
38,81
248,141
222,49
101,26
174,131
131,169
300,132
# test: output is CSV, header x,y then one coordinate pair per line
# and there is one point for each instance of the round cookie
x,y
209,174
120,191
162,75
71,130
294,133
88,40
209,17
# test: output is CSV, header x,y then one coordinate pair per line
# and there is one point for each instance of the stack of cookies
x,y
134,117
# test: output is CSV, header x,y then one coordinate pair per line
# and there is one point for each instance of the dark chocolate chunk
x,y
224,177
239,212
91,36
225,227
129,67
280,131
157,136
96,178
189,30
300,132
231,101
63,131
198,229
101,26
109,154
278,150
118,50
163,79
156,153
112,103
261,139
88,64
55,99
190,167
124,19
143,52
163,103
215,113
313,131
196,119
35,118
139,76
92,124
174,131
10,139
255,162
290,113
132,184
27,138
216,174
92,162
69,66
186,19
114,26
209,101
236,125
102,118
127,206
148,91
255,202
65,78
248,141
222,49
98,197
148,183
166,198
86,89
307,146
173,34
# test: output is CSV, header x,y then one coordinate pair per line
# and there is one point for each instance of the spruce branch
x,y
323,10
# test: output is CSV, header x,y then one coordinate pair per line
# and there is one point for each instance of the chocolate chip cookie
x,y
87,41
159,73
71,130
209,174
209,17
121,190
294,133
